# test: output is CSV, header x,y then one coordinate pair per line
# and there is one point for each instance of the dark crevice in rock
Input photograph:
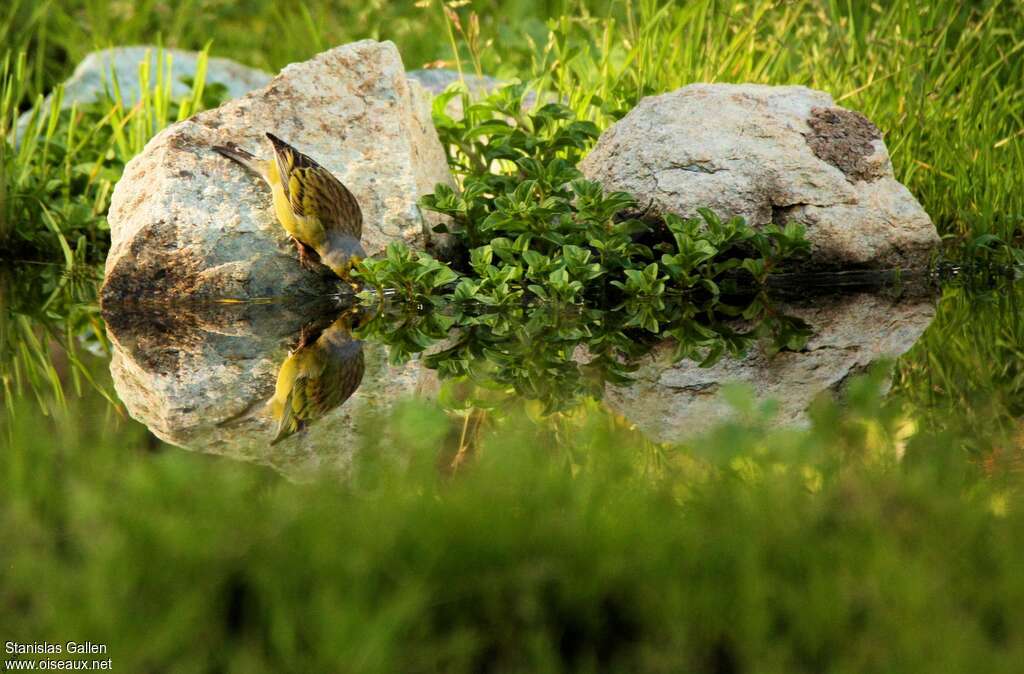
x,y
781,214
844,139
849,348
704,388
698,167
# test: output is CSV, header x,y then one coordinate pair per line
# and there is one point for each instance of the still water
x,y
290,384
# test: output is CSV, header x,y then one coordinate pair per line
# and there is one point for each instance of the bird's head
x,y
343,254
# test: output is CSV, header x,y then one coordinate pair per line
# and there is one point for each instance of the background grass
x,y
55,187
941,79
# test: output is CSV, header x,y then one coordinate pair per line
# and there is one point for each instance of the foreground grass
x,y
765,551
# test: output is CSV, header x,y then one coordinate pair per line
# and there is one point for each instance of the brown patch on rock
x,y
152,271
183,142
845,139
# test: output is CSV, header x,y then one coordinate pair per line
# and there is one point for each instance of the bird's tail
x,y
243,157
288,424
279,145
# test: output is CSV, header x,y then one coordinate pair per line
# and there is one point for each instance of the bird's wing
x,y
314,193
287,158
294,168
318,193
319,393
308,398
345,373
288,423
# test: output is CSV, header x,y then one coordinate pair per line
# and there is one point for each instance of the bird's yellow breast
x,y
306,228
282,208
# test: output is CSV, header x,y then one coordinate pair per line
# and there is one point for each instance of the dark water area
x,y
287,383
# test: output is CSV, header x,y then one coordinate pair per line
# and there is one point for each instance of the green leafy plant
x,y
526,216
548,262
412,275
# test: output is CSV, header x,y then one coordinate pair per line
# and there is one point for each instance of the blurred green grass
x,y
260,33
765,551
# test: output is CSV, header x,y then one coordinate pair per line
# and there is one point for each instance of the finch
x,y
316,210
319,375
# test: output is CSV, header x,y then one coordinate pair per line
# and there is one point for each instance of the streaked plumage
x,y
321,374
311,204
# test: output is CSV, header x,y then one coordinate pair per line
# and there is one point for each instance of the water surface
x,y
214,377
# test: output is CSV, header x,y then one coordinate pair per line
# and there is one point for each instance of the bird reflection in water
x,y
320,374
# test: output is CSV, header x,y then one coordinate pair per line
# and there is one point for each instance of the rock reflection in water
x,y
669,402
203,378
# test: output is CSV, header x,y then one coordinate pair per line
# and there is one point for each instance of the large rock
x,y
200,376
187,223
769,154
670,401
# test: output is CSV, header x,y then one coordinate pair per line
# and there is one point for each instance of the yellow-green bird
x,y
316,210
322,372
